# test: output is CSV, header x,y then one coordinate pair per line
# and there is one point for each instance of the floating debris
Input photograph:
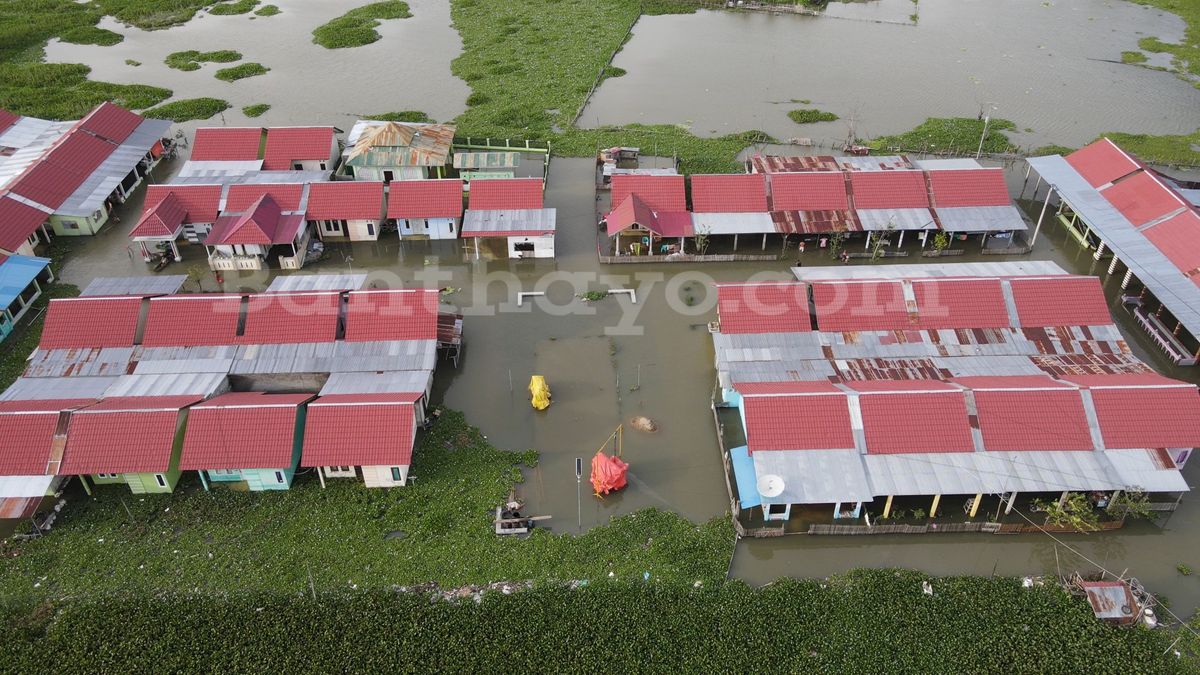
x,y
643,424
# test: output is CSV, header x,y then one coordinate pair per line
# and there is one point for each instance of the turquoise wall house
x,y
239,432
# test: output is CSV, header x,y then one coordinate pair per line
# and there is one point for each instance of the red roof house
x,y
18,221
889,190
242,430
279,318
163,220
818,420
729,193
499,194
345,200
1060,301
1102,162
763,308
663,194
969,187
185,320
438,198
134,434
226,144
392,315
27,430
288,145
359,430
201,203
263,224
91,322
242,197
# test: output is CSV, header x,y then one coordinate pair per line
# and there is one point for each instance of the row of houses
x,y
811,196
139,388
946,386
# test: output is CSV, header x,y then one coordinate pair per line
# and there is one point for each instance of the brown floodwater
x,y
610,360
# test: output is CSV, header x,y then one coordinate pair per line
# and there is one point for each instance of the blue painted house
x,y
246,437
21,284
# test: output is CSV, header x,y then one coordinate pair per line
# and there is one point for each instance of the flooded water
x,y
1053,67
408,69
653,358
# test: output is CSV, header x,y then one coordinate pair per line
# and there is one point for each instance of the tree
x,y
701,240
1075,512
1132,503
941,241
196,274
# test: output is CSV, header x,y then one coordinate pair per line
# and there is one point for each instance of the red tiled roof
x,y
1148,417
242,431
439,198
897,423
660,193
763,308
47,184
359,430
226,144
17,221
813,422
1100,381
871,305
812,191
497,194
973,303
288,144
632,211
889,190
1142,198
7,119
200,202
729,193
27,433
162,219
345,200
262,224
124,435
111,121
969,187
242,197
278,318
1101,162
80,154
673,224
392,315
1032,420
184,320
1177,238
1062,301
90,322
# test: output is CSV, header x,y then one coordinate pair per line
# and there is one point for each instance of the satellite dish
x,y
770,485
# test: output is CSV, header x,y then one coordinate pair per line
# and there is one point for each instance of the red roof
x,y
344,200
813,191
80,154
133,434
788,387
1101,162
965,303
200,202
7,119
47,184
277,318
184,320
889,190
1148,417
660,193
1021,419
1060,301
897,423
1142,198
392,315
111,121
854,306
262,224
17,221
811,422
425,198
242,431
162,219
359,430
93,322
969,187
763,308
27,433
1009,382
288,144
896,386
729,193
242,197
1113,380
226,144
1177,238
497,194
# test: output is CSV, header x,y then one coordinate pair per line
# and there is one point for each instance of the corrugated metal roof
x,y
509,223
486,160
79,362
215,170
906,271
48,388
376,143
974,219
298,281
200,385
733,223
90,196
164,284
389,382
874,220
16,274
814,476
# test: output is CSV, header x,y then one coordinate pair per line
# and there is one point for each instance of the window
x,y
322,166
388,176
370,229
160,479
451,226
278,476
300,167
332,226
396,474
70,225
523,246
106,476
408,224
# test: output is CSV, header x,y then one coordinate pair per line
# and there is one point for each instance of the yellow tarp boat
x,y
540,392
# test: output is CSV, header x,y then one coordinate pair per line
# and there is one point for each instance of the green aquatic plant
x,y
410,116
256,110
188,109
357,27
191,59
241,72
235,7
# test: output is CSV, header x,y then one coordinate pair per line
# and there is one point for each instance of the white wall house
x,y
346,210
426,209
526,233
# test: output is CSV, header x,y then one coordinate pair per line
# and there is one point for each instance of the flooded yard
x,y
1054,68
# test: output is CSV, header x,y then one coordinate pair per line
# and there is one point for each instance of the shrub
x,y
62,91
267,10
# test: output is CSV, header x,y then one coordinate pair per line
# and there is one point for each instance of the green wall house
x,y
388,151
246,437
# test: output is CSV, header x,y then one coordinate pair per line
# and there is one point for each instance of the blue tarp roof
x,y
16,272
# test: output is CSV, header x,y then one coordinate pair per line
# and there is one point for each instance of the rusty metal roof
x,y
374,143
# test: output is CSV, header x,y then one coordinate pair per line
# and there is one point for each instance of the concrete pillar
x,y
1012,499
858,510
887,507
1112,500
1038,228
837,510
175,250
975,504
86,488
937,499
868,246
321,477
900,242
1062,501
203,479
1127,279
764,246
1099,251
735,238
1112,267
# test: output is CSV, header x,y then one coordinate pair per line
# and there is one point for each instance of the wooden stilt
x,y
887,507
975,504
937,499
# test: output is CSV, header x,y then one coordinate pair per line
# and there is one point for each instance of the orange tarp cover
x,y
608,473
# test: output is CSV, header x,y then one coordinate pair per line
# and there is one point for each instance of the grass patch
x,y
811,115
241,72
357,27
191,59
236,7
1166,149
188,109
1186,53
62,91
846,624
1134,57
256,110
267,10
411,116
950,135
91,35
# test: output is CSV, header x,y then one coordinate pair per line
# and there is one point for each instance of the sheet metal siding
x,y
168,284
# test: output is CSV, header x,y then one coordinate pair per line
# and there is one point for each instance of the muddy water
x,y
1052,67
408,69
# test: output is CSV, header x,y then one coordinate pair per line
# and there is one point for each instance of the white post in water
x,y
1038,228
578,494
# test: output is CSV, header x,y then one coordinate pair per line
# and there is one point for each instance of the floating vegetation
x,y
188,109
267,10
237,7
1166,149
357,27
91,35
256,110
241,72
410,116
62,91
191,59
811,115
954,135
